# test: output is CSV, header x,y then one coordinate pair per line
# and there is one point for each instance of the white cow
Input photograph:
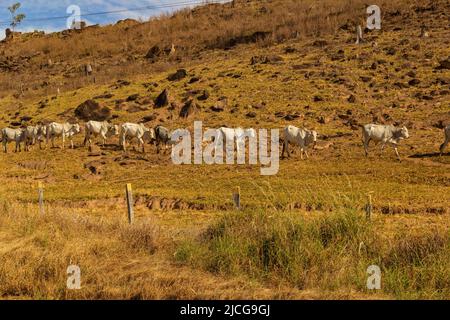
x,y
133,130
65,130
103,129
298,136
236,136
9,135
33,134
386,134
447,139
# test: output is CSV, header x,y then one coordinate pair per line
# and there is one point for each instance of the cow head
x,y
311,137
149,135
76,128
404,134
113,130
41,131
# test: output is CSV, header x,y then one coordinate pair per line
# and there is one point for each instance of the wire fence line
x,y
150,7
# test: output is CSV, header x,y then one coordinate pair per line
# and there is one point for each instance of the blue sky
x,y
37,9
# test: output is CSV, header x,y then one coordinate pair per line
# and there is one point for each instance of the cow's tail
x,y
1,135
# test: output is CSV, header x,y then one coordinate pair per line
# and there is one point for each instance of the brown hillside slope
x,y
38,65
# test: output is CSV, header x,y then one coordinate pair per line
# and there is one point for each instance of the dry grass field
x,y
301,234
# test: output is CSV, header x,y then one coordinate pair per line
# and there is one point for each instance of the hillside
x,y
259,64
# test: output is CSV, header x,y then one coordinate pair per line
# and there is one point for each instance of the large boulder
x,y
163,99
91,110
153,53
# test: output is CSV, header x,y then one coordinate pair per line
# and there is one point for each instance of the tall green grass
x,y
330,253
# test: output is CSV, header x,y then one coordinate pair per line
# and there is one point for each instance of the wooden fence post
x,y
41,198
129,193
369,207
237,198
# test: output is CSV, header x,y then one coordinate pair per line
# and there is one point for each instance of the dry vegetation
x,y
119,51
300,231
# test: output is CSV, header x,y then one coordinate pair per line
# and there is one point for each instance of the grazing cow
x,y
9,135
298,136
66,130
133,130
230,134
385,134
447,139
103,129
162,136
33,134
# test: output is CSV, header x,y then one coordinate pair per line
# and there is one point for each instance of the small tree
x,y
16,19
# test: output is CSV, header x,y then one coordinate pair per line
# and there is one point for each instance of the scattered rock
x,y
324,120
91,110
270,59
413,82
180,74
163,99
318,98
133,97
154,53
289,49
104,96
26,118
351,99
194,80
390,51
291,117
189,108
149,118
217,108
204,96
251,114
95,167
444,64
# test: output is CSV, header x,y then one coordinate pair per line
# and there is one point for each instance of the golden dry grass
x,y
85,221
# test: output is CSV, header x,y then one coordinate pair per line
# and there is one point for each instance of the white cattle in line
x,y
235,136
386,134
64,130
300,137
33,134
447,139
103,129
133,130
10,135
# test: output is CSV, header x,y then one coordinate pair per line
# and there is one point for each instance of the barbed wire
x,y
150,7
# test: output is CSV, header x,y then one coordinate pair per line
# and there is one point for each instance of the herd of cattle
x,y
303,138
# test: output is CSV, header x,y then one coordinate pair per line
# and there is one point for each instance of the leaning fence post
x,y
237,198
369,207
129,193
41,197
